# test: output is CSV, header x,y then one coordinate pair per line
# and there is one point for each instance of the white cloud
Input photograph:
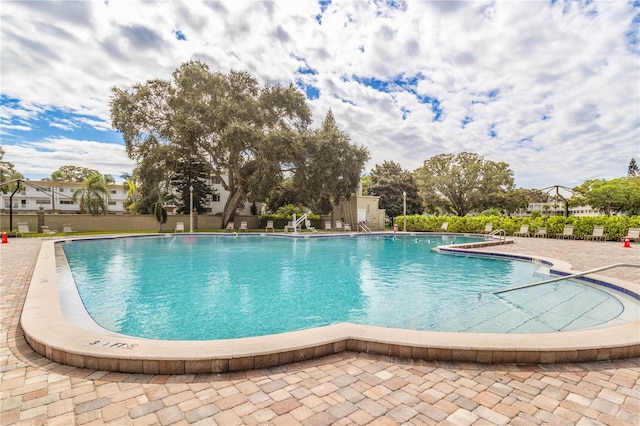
x,y
566,77
40,159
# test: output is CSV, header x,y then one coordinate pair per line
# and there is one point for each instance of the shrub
x,y
615,227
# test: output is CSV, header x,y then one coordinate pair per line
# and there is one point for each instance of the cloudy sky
x,y
550,87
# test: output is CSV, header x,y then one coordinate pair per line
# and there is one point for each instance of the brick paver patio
x,y
341,389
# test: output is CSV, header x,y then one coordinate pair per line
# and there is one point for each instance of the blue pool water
x,y
218,287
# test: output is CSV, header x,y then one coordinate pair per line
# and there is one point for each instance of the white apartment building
x,y
57,197
557,209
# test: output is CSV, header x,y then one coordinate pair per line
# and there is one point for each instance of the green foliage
x,y
633,170
76,174
93,197
7,174
160,213
615,227
250,136
191,172
326,167
389,181
464,183
620,195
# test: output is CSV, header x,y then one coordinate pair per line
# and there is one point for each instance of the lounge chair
x,y
347,227
598,234
327,225
444,226
23,228
523,232
269,226
230,227
541,232
633,234
179,227
243,226
566,233
48,232
66,228
488,227
307,224
338,225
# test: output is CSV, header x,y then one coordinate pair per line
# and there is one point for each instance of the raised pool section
x,y
51,332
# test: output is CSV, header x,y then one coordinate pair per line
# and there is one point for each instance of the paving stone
x,y
95,404
491,416
319,419
143,410
200,413
339,389
169,415
372,407
342,410
402,414
462,416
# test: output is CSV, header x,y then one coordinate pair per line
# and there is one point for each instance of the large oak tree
x,y
464,183
250,136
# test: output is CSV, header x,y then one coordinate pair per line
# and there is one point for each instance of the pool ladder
x,y
566,277
500,233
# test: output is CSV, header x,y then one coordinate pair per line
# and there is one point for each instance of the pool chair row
x,y
23,229
567,233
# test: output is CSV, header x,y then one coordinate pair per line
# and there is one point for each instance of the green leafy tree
x,y
463,183
75,174
159,210
250,136
634,170
520,198
388,181
365,181
191,172
133,192
327,167
621,195
93,197
7,174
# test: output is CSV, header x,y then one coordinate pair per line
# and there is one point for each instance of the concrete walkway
x,y
341,389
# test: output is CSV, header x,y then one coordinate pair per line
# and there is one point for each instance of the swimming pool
x,y
221,287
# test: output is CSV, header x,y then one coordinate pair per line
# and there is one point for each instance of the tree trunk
x,y
229,213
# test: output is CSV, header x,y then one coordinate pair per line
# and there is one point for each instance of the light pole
x,y
191,208
404,209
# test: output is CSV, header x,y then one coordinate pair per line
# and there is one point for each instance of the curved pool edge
x,y
51,335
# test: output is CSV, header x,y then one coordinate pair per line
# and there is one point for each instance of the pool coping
x,y
52,335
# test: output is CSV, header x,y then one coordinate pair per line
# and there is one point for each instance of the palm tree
x,y
94,196
159,210
133,193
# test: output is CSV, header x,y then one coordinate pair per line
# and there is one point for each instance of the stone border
x,y
52,335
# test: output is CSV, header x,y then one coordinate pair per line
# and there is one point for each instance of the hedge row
x,y
615,227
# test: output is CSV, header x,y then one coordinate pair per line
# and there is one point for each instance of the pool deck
x,y
344,388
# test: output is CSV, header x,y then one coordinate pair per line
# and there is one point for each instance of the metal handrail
x,y
566,277
364,227
501,233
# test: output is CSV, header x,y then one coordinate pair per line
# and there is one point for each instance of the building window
x,y
216,180
47,201
112,203
113,191
215,198
66,202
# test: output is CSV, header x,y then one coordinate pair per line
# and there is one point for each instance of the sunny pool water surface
x,y
193,287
